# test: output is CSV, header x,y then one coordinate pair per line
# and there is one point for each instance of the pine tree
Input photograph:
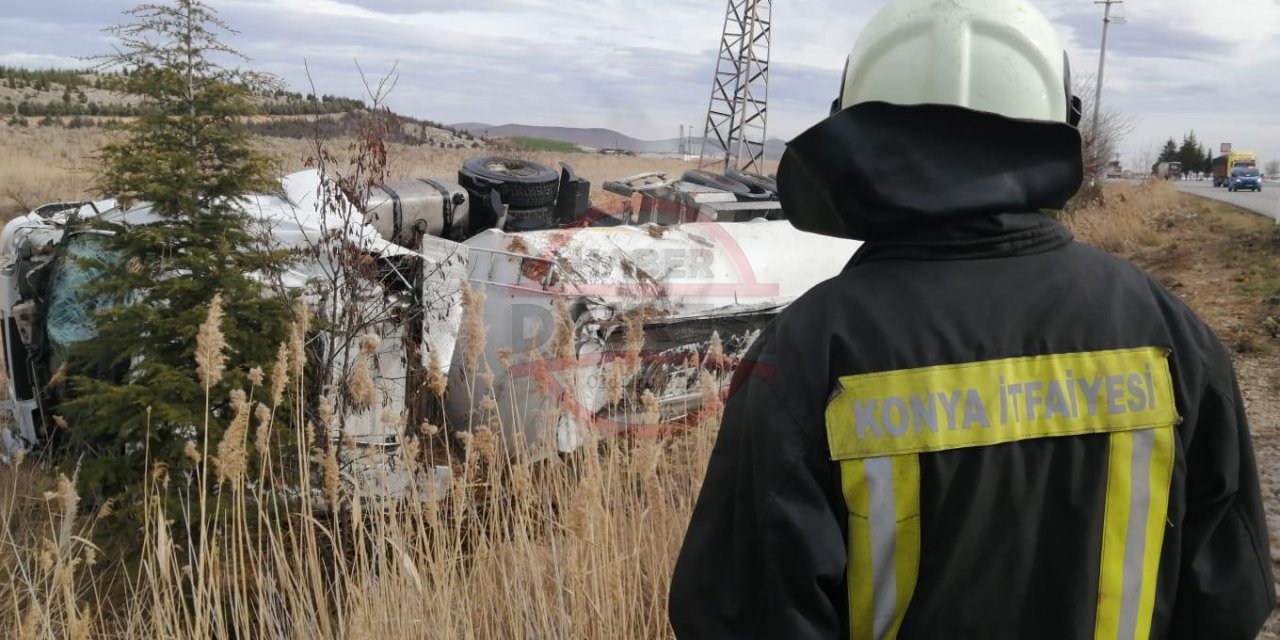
x,y
1191,153
1170,151
187,157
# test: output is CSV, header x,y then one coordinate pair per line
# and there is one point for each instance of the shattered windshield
x,y
70,318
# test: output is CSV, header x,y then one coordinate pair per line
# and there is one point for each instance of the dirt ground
x,y
1225,264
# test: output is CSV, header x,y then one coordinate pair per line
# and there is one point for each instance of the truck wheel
x,y
523,184
716,181
764,183
534,219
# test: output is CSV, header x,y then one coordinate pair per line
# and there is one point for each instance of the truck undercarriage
x,y
591,324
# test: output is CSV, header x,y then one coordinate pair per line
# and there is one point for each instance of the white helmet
x,y
1000,56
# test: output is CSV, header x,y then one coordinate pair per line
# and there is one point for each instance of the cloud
x,y
645,67
1181,66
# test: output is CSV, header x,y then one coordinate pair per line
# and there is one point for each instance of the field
x,y
574,548
543,144
44,164
47,164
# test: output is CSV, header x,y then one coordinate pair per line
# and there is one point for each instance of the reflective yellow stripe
x,y
857,499
1139,470
995,401
878,424
906,482
883,498
1115,522
1162,458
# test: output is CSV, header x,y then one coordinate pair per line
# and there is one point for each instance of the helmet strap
x,y
1075,106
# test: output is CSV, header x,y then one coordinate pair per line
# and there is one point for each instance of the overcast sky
x,y
644,67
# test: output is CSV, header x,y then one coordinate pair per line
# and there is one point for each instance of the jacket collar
x,y
931,175
998,235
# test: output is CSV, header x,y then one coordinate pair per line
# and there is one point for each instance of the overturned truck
x,y
545,317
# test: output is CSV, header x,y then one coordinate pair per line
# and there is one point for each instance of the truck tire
x,y
763,183
716,181
523,184
534,219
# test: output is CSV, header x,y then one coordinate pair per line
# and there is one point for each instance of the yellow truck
x,y
1223,165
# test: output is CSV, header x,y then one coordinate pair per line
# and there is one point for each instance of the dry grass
x,y
44,164
1126,216
404,161
47,164
580,547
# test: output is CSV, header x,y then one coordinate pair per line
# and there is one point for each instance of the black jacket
x,y
959,266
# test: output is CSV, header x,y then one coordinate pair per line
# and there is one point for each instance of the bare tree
x,y
1113,125
366,354
1145,157
1273,169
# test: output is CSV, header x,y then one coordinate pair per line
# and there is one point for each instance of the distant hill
x,y
76,98
88,93
595,138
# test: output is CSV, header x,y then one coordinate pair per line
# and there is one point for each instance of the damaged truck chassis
x,y
507,285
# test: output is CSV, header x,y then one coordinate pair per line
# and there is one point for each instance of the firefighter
x,y
980,428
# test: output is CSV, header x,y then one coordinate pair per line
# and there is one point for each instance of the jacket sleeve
x,y
1225,587
764,555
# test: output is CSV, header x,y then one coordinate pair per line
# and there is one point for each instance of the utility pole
x,y
1102,61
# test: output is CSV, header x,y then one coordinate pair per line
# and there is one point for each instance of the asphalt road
x,y
1265,202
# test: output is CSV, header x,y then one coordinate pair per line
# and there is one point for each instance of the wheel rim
x,y
519,170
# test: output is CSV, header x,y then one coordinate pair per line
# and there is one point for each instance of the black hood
x,y
878,171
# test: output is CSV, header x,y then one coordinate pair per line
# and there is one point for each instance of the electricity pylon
x,y
737,116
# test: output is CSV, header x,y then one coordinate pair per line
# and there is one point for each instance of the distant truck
x,y
1225,165
1114,171
1168,170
